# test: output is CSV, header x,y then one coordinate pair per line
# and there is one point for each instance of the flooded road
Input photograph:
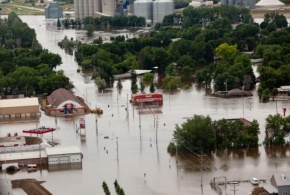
x,y
138,158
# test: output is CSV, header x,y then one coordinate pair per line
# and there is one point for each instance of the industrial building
x,y
53,11
240,3
85,8
62,102
19,108
15,150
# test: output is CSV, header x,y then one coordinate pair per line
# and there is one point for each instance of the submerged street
x,y
135,152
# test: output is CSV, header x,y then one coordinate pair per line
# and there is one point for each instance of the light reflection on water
x,y
137,149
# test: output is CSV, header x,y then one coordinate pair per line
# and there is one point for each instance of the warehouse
x,y
19,108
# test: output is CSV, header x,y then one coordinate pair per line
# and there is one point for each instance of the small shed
x,y
63,155
62,102
21,107
281,181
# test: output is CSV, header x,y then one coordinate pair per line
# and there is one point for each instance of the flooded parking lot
x,y
135,156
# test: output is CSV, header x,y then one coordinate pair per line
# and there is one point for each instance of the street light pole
x,y
243,102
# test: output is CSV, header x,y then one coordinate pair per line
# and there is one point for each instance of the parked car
x,y
255,181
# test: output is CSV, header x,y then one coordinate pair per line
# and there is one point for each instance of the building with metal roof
x,y
19,108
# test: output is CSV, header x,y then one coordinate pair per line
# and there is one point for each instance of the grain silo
x,y
97,6
144,8
76,8
162,8
86,8
81,8
91,8
109,7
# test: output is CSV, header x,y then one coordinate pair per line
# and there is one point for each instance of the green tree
x,y
187,73
274,130
90,30
195,135
148,78
101,83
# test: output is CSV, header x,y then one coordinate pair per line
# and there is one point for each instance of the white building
x,y
64,154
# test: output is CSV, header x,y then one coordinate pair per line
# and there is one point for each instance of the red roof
x,y
40,130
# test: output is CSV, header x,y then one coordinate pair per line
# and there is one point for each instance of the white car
x,y
255,181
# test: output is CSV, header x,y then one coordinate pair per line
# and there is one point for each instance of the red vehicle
x,y
147,99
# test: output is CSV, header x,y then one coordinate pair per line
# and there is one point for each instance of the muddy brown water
x,y
141,163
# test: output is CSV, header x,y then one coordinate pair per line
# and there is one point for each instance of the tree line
x,y
106,21
202,134
25,66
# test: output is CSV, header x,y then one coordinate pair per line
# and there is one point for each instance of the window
x,y
285,193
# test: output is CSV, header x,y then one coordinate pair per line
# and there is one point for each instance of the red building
x,y
147,99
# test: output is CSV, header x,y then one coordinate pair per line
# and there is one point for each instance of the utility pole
x,y
156,129
127,105
243,102
201,168
117,149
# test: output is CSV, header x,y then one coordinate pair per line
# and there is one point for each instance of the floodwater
x,y
137,157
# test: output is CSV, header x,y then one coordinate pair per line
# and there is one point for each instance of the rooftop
x,y
7,103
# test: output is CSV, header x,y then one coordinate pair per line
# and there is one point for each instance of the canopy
x,y
269,3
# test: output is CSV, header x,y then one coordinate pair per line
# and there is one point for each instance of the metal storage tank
x,y
162,8
91,8
97,6
224,2
144,8
76,8
109,7
81,8
86,8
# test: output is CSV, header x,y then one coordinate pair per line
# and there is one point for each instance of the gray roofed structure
x,y
61,95
281,181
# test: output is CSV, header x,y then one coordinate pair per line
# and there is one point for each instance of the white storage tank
x,y
162,8
144,9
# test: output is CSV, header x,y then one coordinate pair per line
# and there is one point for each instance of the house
x,y
284,89
62,102
281,181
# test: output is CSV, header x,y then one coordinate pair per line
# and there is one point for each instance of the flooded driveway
x,y
135,156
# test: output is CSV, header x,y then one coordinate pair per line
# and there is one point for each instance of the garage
x,y
64,155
